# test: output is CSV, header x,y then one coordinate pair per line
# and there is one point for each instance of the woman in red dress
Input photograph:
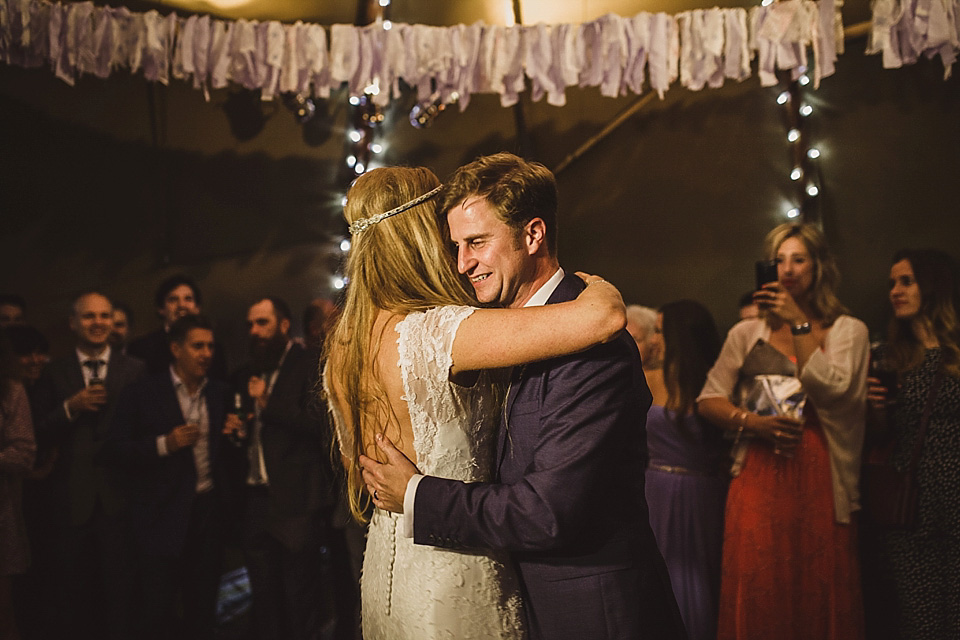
x,y
790,388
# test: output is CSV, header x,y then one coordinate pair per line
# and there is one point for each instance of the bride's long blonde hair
x,y
399,265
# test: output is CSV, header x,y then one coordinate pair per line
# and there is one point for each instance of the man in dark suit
x,y
74,400
287,478
166,438
571,454
174,298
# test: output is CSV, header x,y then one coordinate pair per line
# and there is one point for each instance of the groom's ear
x,y
534,235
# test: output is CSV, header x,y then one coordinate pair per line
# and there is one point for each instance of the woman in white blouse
x,y
790,567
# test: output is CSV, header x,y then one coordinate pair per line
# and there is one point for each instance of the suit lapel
x,y
503,431
568,289
215,422
74,374
169,404
115,373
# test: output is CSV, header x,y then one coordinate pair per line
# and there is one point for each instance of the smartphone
x,y
765,271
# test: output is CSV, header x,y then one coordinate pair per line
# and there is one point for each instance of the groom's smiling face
x,y
490,253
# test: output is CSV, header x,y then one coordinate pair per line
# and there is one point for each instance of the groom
x,y
571,454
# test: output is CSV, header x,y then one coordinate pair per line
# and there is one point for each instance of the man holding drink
x,y
88,560
166,437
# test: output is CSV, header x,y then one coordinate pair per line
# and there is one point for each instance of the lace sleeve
x,y
425,346
344,436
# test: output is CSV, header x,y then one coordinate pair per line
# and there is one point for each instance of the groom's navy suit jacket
x,y
570,501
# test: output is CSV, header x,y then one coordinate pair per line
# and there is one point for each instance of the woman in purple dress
x,y
686,476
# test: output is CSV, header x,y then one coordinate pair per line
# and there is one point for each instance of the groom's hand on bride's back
x,y
387,482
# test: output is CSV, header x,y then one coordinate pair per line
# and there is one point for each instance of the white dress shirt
x,y
194,410
104,358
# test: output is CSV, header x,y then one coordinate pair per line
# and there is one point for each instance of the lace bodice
x,y
422,592
453,426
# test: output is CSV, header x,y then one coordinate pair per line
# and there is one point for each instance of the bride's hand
x,y
604,299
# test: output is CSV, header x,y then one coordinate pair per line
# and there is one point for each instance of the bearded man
x,y
287,483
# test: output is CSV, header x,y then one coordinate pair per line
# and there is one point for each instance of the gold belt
x,y
666,468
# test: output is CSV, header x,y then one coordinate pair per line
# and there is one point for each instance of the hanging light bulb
x,y
796,174
793,213
355,135
359,168
812,190
343,201
783,98
813,153
376,147
345,245
387,25
804,80
793,135
351,161
806,110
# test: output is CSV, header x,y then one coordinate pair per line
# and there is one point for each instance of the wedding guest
x,y
174,298
166,438
790,563
347,536
923,348
318,318
686,476
32,352
12,309
31,349
122,323
288,476
17,449
641,323
75,398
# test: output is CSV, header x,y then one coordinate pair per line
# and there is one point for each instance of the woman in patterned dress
x,y
924,338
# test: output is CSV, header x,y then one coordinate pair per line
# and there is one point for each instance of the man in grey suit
x,y
571,454
75,398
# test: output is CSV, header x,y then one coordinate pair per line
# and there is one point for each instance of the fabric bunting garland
x,y
703,47
904,30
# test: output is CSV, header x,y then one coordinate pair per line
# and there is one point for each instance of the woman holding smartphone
x,y
923,348
790,565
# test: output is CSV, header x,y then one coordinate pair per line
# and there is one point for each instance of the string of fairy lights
x,y
362,135
804,204
362,145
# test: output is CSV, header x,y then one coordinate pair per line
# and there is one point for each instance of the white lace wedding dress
x,y
419,592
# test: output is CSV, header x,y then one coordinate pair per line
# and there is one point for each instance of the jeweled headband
x,y
364,223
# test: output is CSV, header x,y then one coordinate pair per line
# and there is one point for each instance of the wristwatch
x,y
800,329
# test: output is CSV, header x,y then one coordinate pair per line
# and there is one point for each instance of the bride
x,y
407,358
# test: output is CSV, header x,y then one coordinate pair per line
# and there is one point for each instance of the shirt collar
x,y
178,383
103,355
546,290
